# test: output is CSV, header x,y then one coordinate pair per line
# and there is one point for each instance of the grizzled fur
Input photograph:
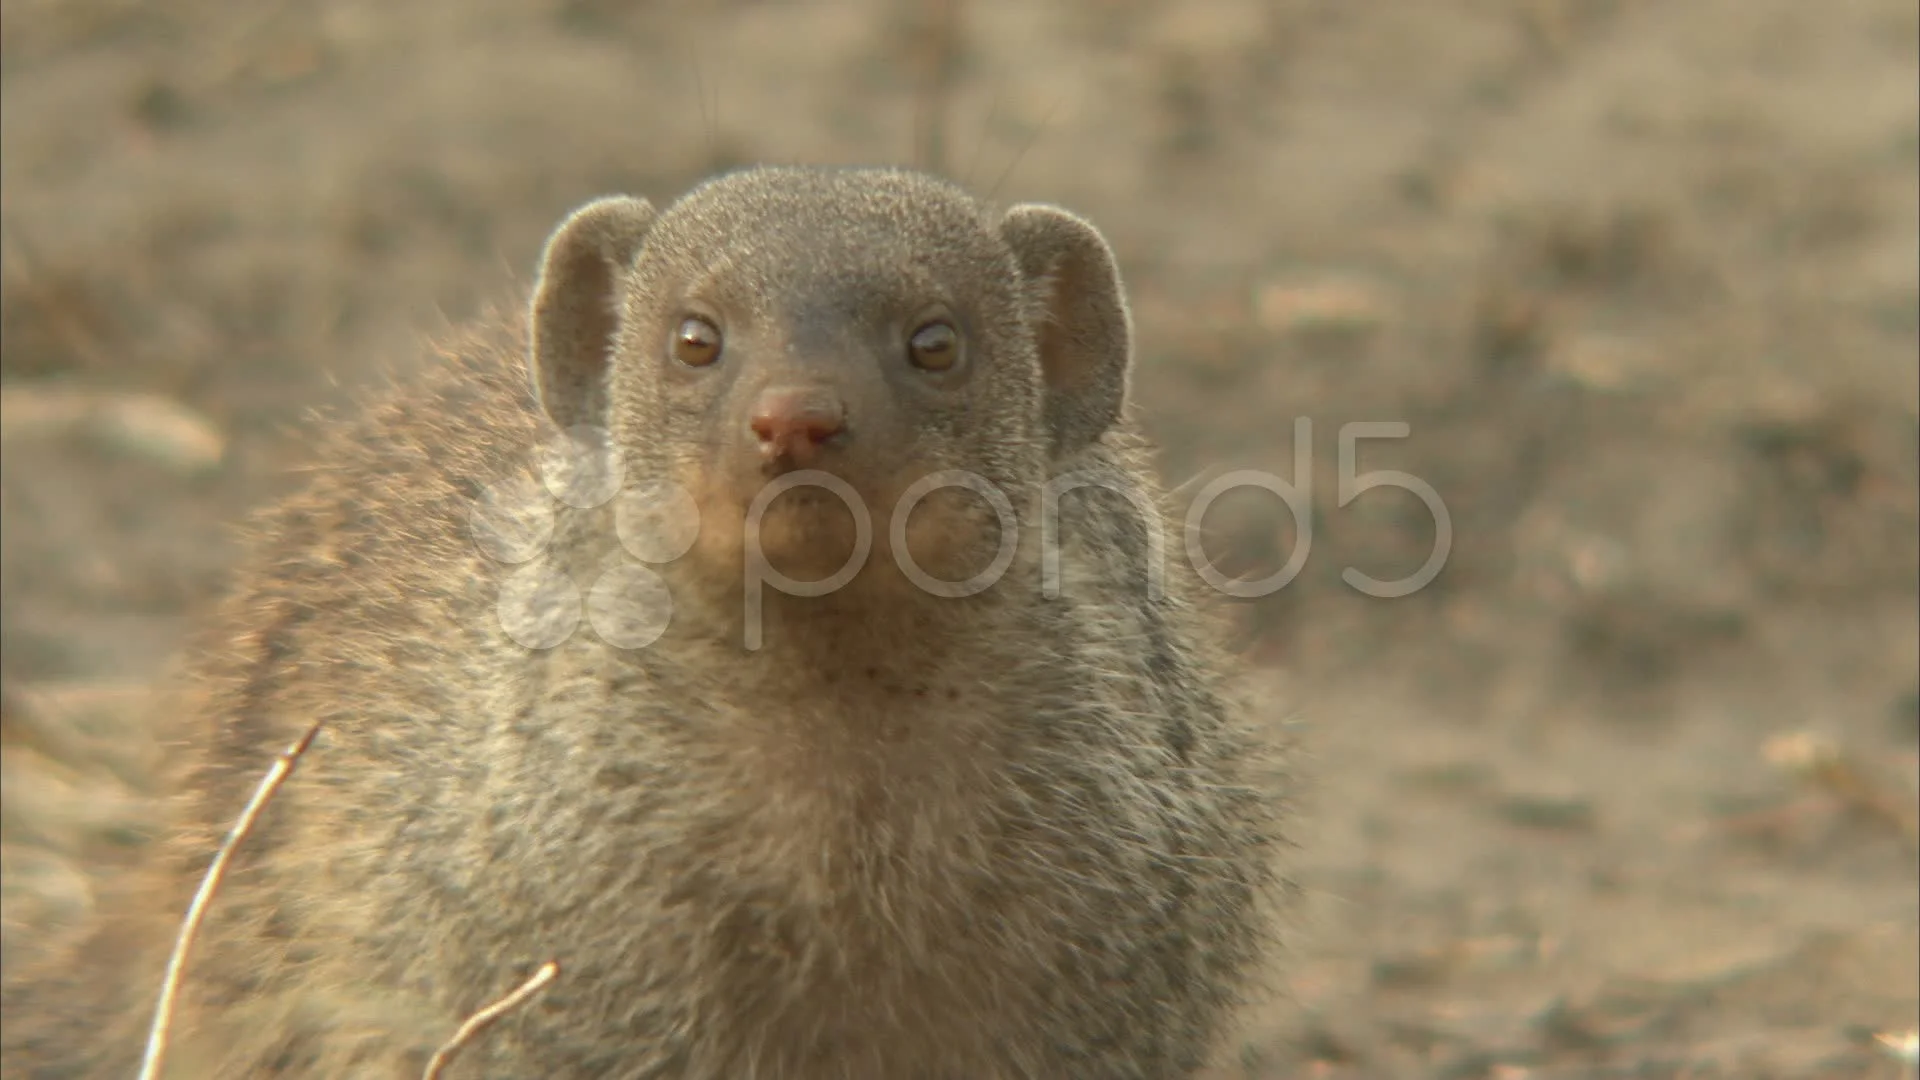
x,y
1018,834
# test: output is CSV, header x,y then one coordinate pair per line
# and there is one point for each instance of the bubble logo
x,y
513,522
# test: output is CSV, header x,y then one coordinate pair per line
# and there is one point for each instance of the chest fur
x,y
861,875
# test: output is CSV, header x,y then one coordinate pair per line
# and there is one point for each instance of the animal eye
x,y
934,347
696,343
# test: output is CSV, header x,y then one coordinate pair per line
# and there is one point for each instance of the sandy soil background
x,y
1627,791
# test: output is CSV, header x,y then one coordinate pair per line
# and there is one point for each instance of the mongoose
x,y
876,830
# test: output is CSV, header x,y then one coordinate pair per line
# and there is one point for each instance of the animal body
x,y
777,626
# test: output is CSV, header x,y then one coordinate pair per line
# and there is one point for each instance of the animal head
x,y
843,335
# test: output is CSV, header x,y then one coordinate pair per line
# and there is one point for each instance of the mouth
x,y
776,466
805,500
821,526
801,505
788,486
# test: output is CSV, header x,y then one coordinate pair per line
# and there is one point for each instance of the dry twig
x,y
939,48
478,1021
196,912
71,331
1823,765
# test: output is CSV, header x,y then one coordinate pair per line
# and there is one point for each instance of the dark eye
x,y
934,347
697,342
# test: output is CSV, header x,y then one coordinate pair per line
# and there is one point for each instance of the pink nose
x,y
793,422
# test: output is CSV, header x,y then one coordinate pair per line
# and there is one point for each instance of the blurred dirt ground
x,y
1628,791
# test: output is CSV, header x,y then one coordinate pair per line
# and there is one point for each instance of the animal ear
x,y
576,306
1085,335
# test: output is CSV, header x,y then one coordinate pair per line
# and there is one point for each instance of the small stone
x,y
162,430
151,426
